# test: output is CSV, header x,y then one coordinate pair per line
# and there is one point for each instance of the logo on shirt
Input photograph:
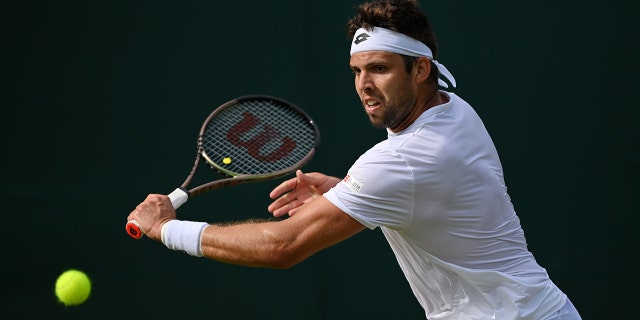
x,y
353,183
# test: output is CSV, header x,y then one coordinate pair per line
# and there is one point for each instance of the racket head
x,y
258,137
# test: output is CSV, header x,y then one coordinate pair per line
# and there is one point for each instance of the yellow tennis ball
x,y
73,287
226,160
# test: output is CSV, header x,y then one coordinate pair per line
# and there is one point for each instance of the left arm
x,y
295,192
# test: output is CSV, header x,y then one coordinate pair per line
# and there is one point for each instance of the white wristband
x,y
183,236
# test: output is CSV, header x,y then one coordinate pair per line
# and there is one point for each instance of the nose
x,y
363,82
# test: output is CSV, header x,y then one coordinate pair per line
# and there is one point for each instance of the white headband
x,y
381,39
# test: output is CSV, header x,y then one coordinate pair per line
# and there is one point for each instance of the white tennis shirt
x,y
437,191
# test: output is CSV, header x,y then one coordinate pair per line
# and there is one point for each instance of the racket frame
x,y
182,194
232,177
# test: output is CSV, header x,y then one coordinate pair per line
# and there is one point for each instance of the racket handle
x,y
133,229
178,197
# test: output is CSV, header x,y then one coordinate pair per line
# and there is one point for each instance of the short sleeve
x,y
378,191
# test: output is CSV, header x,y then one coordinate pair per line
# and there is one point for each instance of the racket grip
x,y
178,197
133,229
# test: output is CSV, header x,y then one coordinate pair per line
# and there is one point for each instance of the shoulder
x,y
378,190
381,161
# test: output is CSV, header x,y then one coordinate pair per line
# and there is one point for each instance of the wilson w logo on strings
x,y
266,134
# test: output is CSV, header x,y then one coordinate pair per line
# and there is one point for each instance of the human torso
x,y
437,191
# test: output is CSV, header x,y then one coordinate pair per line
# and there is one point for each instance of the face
x,y
386,90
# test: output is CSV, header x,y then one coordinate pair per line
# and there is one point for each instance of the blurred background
x,y
102,102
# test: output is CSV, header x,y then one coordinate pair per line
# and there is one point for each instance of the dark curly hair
x,y
404,16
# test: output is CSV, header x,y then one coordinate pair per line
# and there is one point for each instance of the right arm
x,y
280,244
316,225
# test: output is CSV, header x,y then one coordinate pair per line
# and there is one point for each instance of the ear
x,y
423,69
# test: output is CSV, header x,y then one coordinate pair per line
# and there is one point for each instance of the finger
x,y
283,188
305,178
274,206
279,213
278,203
283,201
286,208
309,179
134,213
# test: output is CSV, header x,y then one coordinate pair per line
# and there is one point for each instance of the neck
x,y
424,102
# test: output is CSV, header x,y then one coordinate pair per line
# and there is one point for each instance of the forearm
x,y
278,244
251,244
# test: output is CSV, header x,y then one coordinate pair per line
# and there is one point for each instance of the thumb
x,y
306,178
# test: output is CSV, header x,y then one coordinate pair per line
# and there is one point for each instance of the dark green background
x,y
102,101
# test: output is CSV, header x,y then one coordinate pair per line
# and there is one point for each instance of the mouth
x,y
371,105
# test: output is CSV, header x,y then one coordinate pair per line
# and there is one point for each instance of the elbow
x,y
284,258
281,265
284,252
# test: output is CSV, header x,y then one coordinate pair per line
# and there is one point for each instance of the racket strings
x,y
257,137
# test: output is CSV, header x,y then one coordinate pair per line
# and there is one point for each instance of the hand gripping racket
x,y
248,139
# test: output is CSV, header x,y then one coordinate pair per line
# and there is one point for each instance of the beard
x,y
395,111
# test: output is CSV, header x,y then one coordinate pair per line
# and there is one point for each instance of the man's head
x,y
393,59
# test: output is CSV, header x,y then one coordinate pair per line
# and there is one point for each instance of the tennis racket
x,y
248,139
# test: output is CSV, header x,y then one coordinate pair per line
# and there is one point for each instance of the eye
x,y
355,71
379,69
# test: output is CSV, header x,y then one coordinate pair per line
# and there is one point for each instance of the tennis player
x,y
435,187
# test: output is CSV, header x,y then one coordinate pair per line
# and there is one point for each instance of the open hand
x,y
304,188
